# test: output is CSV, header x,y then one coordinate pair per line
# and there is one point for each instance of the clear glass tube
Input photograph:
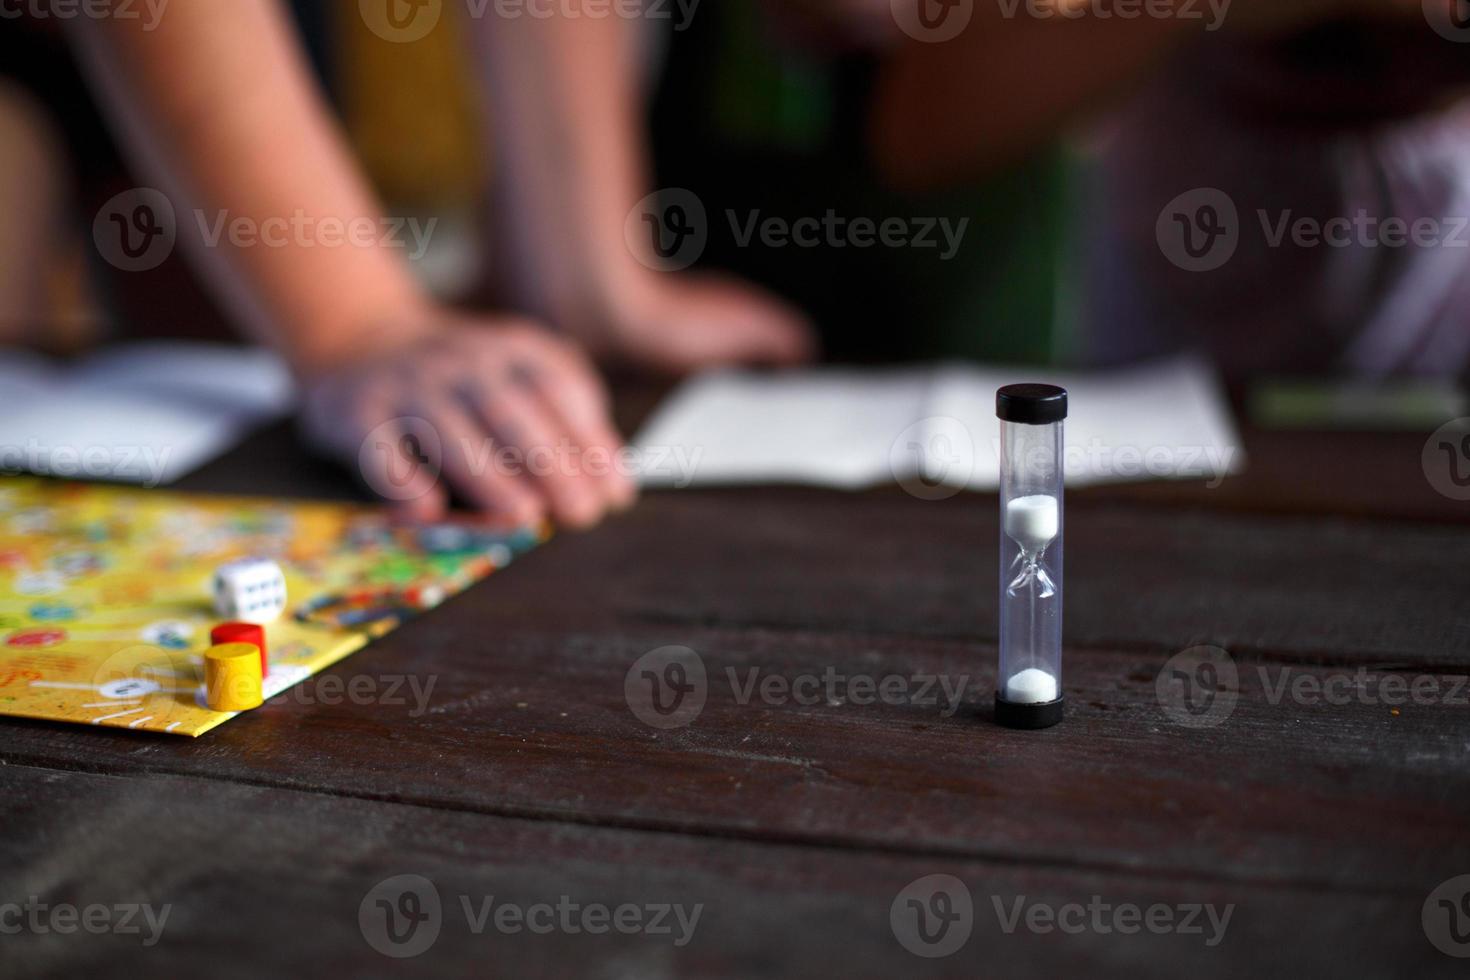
x,y
1029,682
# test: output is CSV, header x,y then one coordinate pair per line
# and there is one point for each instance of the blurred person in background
x,y
1345,119
44,301
216,104
792,111
760,109
1213,127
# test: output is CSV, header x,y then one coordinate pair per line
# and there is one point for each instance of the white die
x,y
249,590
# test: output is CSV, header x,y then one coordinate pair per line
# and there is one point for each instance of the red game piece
x,y
242,633
37,638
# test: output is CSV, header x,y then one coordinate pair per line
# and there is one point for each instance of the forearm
x,y
217,105
564,102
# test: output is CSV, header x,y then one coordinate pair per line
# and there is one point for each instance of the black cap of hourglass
x,y
1032,404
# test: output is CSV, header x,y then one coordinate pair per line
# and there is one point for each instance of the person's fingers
x,y
725,340
714,322
575,394
514,413
467,457
391,466
521,426
772,335
431,506
584,399
362,427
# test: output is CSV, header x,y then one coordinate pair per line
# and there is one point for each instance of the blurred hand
x,y
685,321
513,418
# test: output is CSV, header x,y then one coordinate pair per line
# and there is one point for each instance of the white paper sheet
x,y
852,429
141,413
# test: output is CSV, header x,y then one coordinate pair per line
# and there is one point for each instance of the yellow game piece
x,y
104,593
232,677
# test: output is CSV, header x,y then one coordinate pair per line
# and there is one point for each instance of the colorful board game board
x,y
105,607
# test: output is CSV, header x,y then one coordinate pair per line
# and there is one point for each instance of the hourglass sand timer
x,y
1029,685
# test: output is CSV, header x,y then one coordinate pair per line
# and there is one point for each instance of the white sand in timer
x,y
1031,686
1032,521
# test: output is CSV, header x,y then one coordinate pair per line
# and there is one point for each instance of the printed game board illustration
x,y
105,593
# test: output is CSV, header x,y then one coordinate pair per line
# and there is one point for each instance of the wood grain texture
x,y
276,879
1140,572
535,724
525,772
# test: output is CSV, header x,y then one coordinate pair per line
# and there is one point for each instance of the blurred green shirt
x,y
763,132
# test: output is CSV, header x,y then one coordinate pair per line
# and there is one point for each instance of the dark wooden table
x,y
794,827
